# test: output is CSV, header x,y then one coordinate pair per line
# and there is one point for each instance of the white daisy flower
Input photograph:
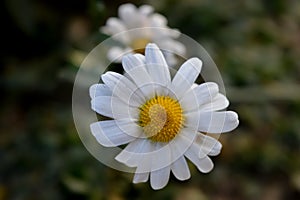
x,y
140,19
164,120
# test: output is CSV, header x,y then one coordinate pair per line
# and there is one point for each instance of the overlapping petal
x,y
99,90
123,88
156,65
180,169
112,133
212,122
135,67
186,76
114,108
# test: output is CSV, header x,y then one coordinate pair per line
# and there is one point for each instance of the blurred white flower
x,y
142,19
164,120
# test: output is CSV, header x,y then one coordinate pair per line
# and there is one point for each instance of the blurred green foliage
x,y
255,44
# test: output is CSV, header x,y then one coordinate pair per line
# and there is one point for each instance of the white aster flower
x,y
141,19
164,120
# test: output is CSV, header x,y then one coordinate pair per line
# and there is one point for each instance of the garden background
x,y
256,46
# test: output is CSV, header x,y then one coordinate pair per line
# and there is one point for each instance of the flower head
x,y
163,120
148,26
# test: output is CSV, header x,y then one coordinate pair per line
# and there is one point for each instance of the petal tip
x,y
127,6
126,58
197,63
233,116
208,168
151,46
155,187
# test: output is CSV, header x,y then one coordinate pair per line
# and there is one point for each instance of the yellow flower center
x,y
161,118
139,45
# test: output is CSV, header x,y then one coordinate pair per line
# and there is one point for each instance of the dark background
x,y
256,46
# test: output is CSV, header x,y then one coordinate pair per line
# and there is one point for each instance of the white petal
x,y
146,156
158,20
114,26
202,161
146,9
115,54
194,86
160,178
216,150
127,126
164,32
140,57
199,95
143,163
111,79
188,101
129,15
180,169
99,90
205,92
170,58
132,61
109,135
151,156
218,103
126,9
161,157
186,76
181,143
123,88
135,68
208,145
154,156
157,66
154,56
212,122
114,108
141,177
172,46
133,153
